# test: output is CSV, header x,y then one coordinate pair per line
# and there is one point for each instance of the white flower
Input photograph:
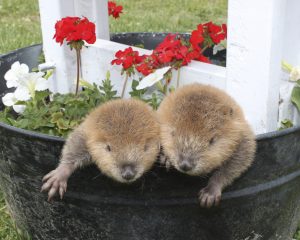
x,y
30,83
10,100
221,46
152,78
16,72
295,74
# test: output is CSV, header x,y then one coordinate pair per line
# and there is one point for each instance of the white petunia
x,y
19,108
10,100
16,72
295,74
221,46
153,78
30,83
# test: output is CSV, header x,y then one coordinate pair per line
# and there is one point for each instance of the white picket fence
x,y
260,34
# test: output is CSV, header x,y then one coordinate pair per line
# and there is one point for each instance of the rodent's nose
x,y
128,172
185,165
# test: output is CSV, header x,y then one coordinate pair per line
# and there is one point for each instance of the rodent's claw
x,y
53,182
210,196
164,160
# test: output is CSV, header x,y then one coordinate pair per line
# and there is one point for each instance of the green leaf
x,y
48,74
136,93
55,117
86,84
171,89
286,66
296,97
286,123
41,95
62,124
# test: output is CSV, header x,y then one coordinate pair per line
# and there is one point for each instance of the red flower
x,y
148,64
166,51
224,27
197,37
217,33
127,58
114,10
144,69
202,58
74,29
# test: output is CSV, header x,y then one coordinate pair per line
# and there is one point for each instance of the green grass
x,y
19,24
164,15
20,27
8,231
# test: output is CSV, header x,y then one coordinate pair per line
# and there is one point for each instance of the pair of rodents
x,y
200,128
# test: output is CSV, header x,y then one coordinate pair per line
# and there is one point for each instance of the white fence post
x,y
254,54
51,11
97,12
64,74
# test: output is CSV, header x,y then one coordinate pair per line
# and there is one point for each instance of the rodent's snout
x,y
128,172
186,164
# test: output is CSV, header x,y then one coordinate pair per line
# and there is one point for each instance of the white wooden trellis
x,y
260,35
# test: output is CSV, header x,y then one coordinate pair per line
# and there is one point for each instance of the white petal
x,y
24,68
22,94
19,108
218,48
15,66
20,68
152,78
12,83
14,75
9,99
295,74
41,84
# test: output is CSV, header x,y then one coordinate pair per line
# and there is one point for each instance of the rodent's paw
x,y
55,181
164,160
210,196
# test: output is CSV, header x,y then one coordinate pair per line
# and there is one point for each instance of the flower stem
x,y
178,77
78,69
203,49
124,86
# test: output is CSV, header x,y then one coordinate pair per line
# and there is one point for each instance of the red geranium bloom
x,y
114,9
166,51
216,32
144,69
148,64
224,27
202,58
127,58
74,29
197,37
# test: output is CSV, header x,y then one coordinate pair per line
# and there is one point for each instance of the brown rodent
x,y
121,137
203,130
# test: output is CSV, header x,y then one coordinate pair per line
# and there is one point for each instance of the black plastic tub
x,y
262,204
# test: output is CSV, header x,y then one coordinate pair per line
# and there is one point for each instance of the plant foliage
x,y
63,113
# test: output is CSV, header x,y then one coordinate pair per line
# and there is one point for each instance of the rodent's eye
x,y
212,140
108,148
173,133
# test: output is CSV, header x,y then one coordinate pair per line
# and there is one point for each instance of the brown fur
x,y
205,128
131,130
117,135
